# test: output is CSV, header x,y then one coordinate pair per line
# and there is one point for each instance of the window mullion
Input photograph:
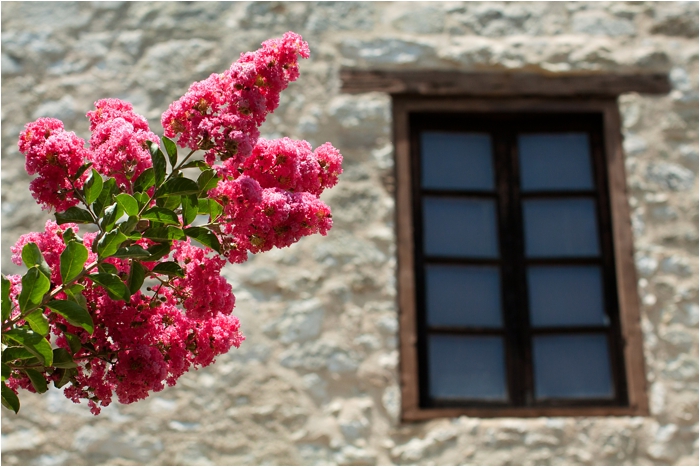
x,y
521,320
508,239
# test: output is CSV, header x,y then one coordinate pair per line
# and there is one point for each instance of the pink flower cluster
x,y
117,149
292,166
221,114
275,201
140,346
55,155
202,290
119,141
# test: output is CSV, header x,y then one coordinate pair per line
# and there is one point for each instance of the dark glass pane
x,y
458,161
572,366
555,162
566,296
466,367
560,227
463,296
460,227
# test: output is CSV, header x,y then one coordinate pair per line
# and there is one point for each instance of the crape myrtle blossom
x,y
135,302
275,201
222,113
55,155
118,141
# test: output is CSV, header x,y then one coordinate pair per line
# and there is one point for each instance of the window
x,y
517,289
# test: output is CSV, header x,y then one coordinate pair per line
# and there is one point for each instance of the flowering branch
x,y
84,315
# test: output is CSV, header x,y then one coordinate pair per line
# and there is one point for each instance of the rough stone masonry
x,y
316,381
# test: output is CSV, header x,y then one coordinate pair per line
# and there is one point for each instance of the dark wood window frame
x,y
632,399
441,91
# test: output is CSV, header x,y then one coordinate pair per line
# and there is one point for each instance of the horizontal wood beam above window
x,y
437,82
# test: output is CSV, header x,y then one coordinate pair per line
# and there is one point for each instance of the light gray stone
x,y
341,16
676,20
597,23
676,265
421,21
63,109
100,444
634,145
391,400
22,440
10,65
646,265
301,321
670,176
351,455
382,51
315,385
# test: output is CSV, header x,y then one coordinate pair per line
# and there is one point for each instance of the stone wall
x,y
316,380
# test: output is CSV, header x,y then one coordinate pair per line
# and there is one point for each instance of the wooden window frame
x,y
623,250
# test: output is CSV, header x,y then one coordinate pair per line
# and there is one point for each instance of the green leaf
x,y
81,170
74,313
158,163
69,235
177,186
93,187
137,274
211,207
9,398
73,342
131,251
169,202
112,213
165,233
170,268
6,371
31,255
159,250
72,261
109,244
141,198
105,197
74,215
113,285
78,298
171,149
11,354
6,302
34,286
63,359
128,204
201,165
190,206
38,322
145,180
109,268
162,215
205,237
33,342
66,376
207,180
128,225
37,379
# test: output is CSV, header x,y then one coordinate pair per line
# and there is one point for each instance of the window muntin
x,y
544,216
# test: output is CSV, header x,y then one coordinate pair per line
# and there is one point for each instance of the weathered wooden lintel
x,y
439,82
